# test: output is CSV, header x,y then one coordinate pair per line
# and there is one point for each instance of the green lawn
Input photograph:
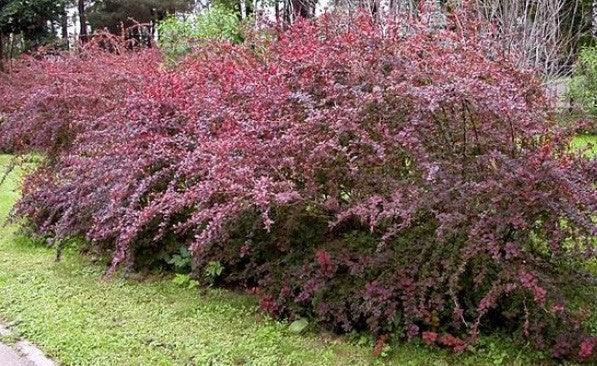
x,y
80,319
582,141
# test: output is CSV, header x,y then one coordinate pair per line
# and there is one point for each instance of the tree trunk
x,y
287,12
64,24
303,8
249,8
277,11
238,8
594,28
82,21
1,53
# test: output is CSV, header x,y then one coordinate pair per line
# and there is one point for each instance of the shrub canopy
x,y
398,179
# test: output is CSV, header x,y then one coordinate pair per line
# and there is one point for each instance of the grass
x,y
78,318
586,143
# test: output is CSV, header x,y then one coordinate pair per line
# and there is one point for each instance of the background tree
x,y
82,20
117,15
594,19
29,19
64,24
303,8
242,8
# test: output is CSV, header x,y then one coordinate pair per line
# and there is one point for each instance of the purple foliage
x,y
392,179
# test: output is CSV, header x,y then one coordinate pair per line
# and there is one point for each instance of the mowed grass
x,y
78,318
585,143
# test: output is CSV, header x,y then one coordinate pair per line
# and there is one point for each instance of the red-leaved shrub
x,y
51,98
396,179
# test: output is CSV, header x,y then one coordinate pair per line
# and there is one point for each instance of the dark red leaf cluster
x,y
401,178
52,98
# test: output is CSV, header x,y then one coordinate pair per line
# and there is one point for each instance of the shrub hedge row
x,y
399,179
